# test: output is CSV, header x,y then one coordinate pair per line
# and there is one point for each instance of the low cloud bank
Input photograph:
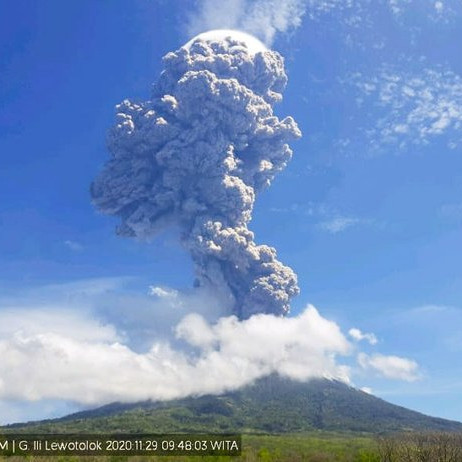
x,y
216,357
67,350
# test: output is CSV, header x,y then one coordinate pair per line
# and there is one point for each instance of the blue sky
x,y
368,213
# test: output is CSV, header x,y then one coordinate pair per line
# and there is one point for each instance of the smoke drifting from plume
x,y
195,156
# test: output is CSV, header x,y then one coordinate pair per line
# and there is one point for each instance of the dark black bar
x,y
120,444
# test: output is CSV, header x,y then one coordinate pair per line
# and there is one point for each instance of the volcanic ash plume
x,y
195,155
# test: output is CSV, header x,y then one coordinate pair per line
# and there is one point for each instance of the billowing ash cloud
x,y
195,155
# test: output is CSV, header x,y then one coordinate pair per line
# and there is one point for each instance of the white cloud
x,y
338,224
328,218
439,6
391,367
137,317
55,320
367,390
411,108
398,6
356,20
433,11
267,18
83,288
162,292
262,18
357,335
428,309
453,211
73,245
230,353
173,344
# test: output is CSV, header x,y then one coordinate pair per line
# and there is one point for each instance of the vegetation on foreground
x,y
421,447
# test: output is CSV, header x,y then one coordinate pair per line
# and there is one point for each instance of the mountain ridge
x,y
270,405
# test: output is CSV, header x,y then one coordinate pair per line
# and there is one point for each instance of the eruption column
x,y
196,154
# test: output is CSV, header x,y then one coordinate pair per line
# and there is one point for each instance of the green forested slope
x,y
271,405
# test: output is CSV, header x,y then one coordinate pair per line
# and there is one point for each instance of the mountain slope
x,y
270,405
